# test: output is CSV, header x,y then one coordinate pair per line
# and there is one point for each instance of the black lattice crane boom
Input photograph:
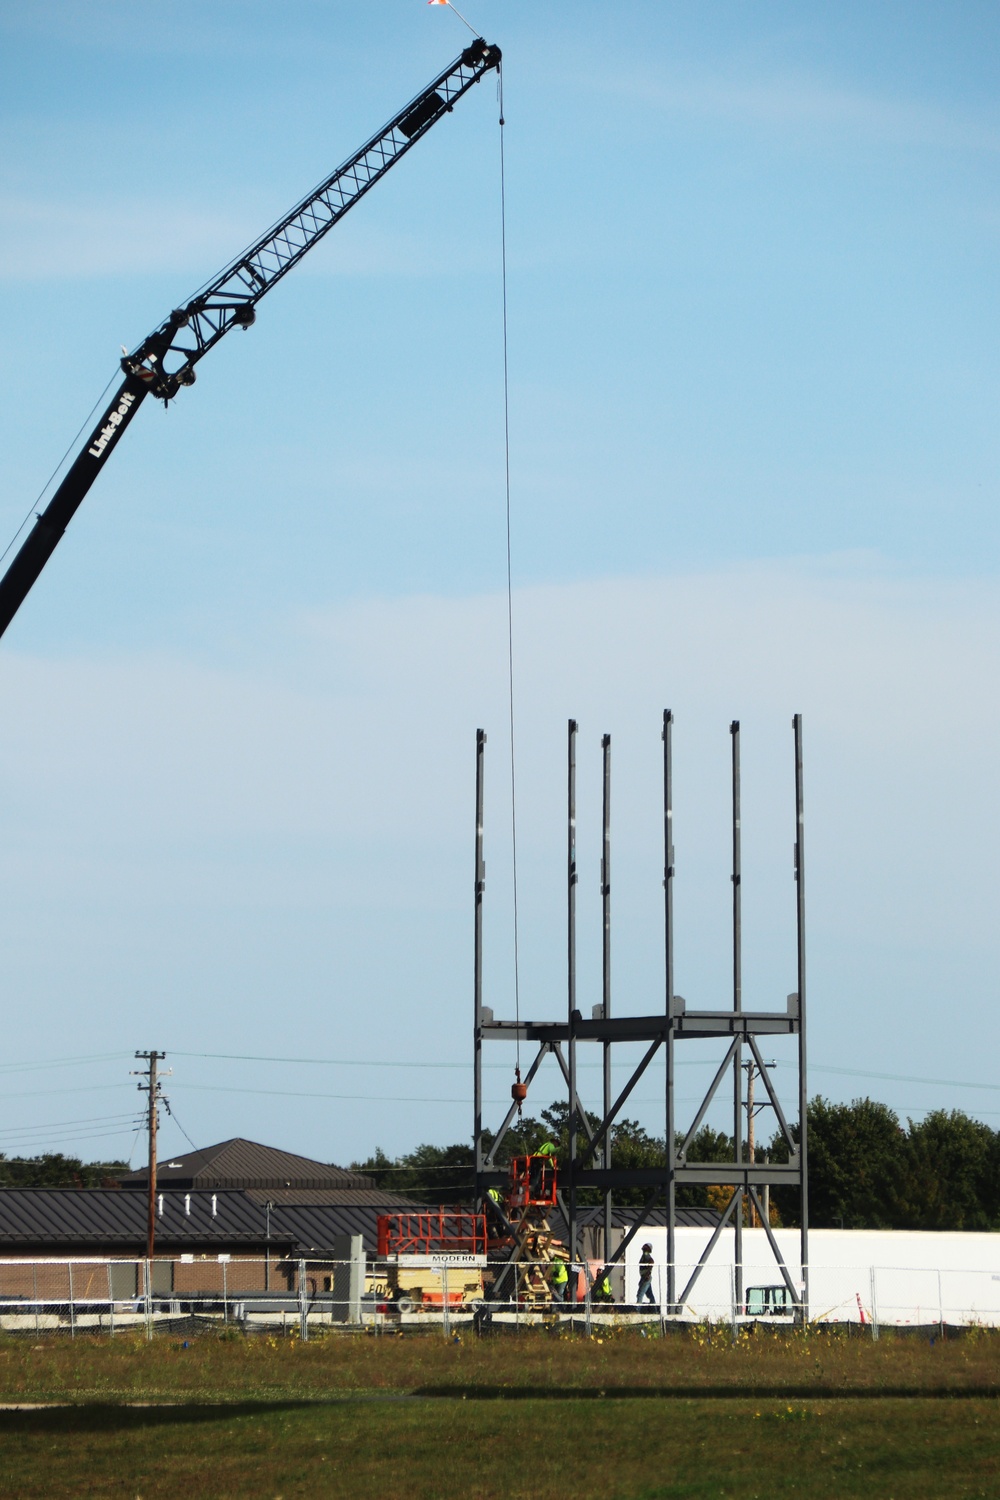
x,y
165,361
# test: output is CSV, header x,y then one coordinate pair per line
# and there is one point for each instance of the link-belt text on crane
x,y
111,426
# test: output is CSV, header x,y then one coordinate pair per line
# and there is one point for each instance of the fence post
x,y
303,1304
874,1306
586,1301
445,1308
148,1269
732,1292
225,1292
940,1306
72,1310
659,1298
111,1303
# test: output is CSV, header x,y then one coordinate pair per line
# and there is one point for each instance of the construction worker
x,y
646,1275
602,1290
494,1196
560,1281
541,1163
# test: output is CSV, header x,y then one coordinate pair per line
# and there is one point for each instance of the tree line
x,y
867,1170
53,1170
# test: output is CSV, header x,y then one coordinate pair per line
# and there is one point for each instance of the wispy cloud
x,y
788,101
43,239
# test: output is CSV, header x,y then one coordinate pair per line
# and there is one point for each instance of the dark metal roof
x,y
314,1227
240,1163
53,1219
332,1197
102,1216
50,1220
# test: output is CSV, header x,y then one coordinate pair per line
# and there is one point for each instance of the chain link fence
x,y
189,1294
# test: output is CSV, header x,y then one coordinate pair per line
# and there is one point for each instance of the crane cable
x,y
73,441
510,595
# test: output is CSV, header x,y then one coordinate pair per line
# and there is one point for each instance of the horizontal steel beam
x,y
488,1177
685,1024
527,1031
712,1173
709,1174
709,1023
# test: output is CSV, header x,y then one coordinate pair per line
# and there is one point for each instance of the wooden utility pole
x,y
152,1088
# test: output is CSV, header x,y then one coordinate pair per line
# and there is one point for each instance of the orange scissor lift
x,y
531,1197
419,1237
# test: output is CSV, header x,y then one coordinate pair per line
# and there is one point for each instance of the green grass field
x,y
625,1418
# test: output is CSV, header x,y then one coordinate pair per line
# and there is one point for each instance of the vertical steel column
x,y
606,972
477,986
800,933
571,878
668,935
734,730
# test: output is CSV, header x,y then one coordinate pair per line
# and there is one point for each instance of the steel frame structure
x,y
736,1027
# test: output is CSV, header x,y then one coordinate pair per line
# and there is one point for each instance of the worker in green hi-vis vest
x,y
602,1290
560,1281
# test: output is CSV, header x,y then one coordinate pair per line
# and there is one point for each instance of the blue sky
x,y
753,320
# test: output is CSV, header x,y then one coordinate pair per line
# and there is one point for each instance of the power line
x,y
381,1098
374,1062
62,1062
337,1062
325,1062
51,1125
37,1146
85,1088
947,1083
381,1062
170,1111
211,1088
